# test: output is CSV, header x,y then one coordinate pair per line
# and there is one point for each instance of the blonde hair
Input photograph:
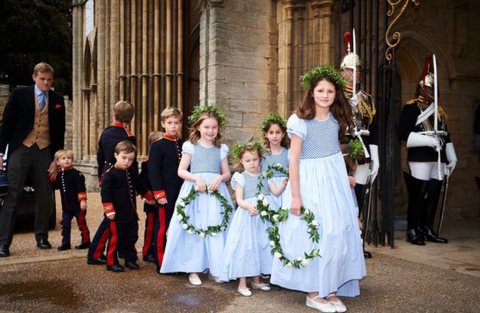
x,y
43,67
63,152
171,112
195,134
123,111
155,136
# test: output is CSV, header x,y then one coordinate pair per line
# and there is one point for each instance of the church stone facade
x,y
246,56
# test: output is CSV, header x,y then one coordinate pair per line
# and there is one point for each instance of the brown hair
x,y
125,146
238,164
63,152
285,140
349,163
340,107
123,111
195,134
155,136
171,112
43,67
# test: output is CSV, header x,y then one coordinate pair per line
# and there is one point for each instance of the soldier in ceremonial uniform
x,y
417,129
164,159
365,119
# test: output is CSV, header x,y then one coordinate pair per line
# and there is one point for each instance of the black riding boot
x,y
417,189
360,194
428,212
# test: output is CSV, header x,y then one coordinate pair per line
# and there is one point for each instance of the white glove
x,y
418,140
376,162
451,157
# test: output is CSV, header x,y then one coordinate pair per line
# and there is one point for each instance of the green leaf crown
x,y
323,71
207,107
251,145
273,119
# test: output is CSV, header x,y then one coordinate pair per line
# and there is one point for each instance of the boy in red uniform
x,y
119,185
164,158
122,115
150,210
71,184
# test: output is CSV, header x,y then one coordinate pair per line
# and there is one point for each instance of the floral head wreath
x,y
273,119
252,144
323,71
356,150
199,109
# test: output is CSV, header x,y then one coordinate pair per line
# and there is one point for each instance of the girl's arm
x,y
276,191
186,175
293,169
225,176
242,204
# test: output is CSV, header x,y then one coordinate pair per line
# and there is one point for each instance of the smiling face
x,y
43,80
323,94
274,134
251,162
208,129
124,160
172,125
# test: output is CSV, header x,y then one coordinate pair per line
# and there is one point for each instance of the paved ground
x,y
434,278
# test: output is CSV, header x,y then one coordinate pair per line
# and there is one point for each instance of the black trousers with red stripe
x,y
66,223
161,227
99,241
149,235
123,235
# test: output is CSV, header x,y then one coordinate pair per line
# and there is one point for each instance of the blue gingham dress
x,y
281,158
325,191
247,250
191,253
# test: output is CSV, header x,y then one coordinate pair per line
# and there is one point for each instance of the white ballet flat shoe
x,y
322,307
261,286
338,305
244,292
195,281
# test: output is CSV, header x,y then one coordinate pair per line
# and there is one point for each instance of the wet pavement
x,y
433,278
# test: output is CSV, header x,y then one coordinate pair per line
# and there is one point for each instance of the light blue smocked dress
x,y
281,158
247,250
325,190
191,253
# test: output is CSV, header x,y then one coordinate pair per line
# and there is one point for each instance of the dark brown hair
x,y
340,107
285,140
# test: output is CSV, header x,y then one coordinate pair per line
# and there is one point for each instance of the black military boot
x,y
360,191
417,189
428,212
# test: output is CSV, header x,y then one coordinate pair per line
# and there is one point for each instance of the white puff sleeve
x,y
237,178
296,125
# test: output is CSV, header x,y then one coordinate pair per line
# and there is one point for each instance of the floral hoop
x,y
211,230
280,216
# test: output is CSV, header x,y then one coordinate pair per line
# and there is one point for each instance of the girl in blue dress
x,y
319,183
274,130
247,250
191,246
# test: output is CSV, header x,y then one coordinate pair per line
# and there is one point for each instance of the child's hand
x,y
360,224
162,201
352,181
285,181
296,206
215,184
252,209
83,205
150,202
111,217
201,185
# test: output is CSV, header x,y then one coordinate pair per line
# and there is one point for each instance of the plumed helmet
x,y
350,59
427,78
